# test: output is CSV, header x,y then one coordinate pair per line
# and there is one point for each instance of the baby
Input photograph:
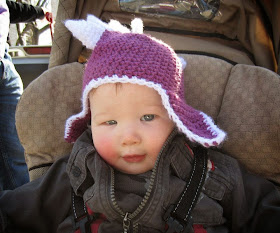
x,y
129,128
142,164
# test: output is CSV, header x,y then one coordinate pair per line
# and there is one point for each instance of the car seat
x,y
242,98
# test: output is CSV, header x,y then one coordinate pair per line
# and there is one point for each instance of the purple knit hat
x,y
121,56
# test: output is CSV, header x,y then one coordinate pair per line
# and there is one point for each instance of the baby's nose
x,y
130,136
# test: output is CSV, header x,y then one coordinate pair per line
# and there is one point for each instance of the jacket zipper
x,y
128,217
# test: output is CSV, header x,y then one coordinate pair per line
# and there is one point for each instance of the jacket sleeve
x,y
4,25
38,206
253,203
22,12
263,201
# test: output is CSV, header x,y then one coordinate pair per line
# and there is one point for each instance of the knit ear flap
x,y
87,31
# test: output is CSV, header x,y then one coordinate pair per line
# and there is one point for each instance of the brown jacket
x,y
231,201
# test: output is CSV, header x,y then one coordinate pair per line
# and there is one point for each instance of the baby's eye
x,y
148,117
111,122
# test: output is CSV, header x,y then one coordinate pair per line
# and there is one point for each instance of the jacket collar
x,y
83,149
77,167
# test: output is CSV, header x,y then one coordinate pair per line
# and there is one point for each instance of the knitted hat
x,y
123,56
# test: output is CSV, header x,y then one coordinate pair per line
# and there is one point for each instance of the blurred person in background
x,y
13,169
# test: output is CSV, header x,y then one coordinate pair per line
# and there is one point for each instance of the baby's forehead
x,y
116,93
118,88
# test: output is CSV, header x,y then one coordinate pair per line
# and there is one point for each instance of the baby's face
x,y
129,126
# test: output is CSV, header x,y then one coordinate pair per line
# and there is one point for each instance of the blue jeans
x,y
13,169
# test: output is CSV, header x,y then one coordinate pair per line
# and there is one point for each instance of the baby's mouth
x,y
134,158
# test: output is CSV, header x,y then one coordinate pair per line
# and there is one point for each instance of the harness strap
x,y
82,219
178,217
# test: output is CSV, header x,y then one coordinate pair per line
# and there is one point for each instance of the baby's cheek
x,y
104,147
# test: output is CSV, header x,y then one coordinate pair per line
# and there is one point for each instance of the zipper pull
x,y
126,223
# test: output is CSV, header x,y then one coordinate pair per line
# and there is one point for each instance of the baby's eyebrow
x,y
152,102
99,115
160,106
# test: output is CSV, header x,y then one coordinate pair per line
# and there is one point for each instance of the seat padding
x,y
42,111
250,113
